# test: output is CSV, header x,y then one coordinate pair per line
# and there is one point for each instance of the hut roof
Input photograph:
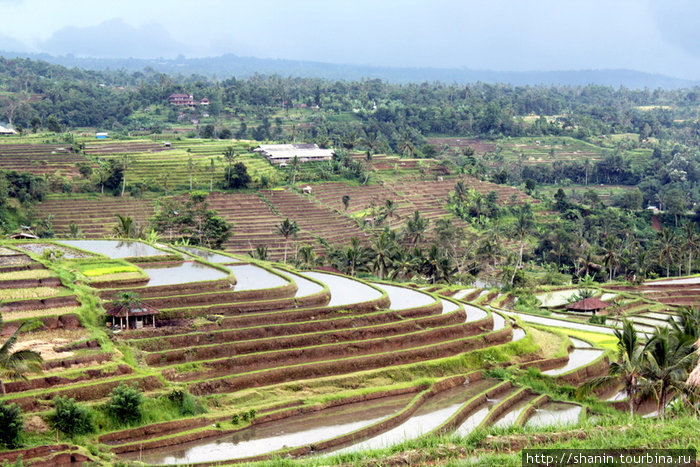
x,y
588,304
120,311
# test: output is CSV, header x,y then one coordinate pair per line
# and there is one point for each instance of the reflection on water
x,y
188,271
555,413
208,255
345,291
474,313
304,286
475,419
115,248
272,436
577,359
251,277
434,412
403,297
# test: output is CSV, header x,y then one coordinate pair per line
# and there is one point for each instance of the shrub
x,y
185,402
124,404
71,418
11,425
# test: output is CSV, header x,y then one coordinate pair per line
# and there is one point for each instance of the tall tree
x,y
287,229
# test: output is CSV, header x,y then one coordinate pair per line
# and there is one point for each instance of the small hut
x,y
588,304
126,317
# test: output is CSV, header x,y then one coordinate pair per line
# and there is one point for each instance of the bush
x,y
185,402
11,425
124,404
71,418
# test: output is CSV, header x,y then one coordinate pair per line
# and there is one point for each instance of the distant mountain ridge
x,y
230,65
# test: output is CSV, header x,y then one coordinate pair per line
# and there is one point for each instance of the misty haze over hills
x,y
230,65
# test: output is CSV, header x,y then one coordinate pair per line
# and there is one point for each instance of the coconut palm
x,y
287,229
384,249
15,365
666,248
126,227
522,228
416,227
628,369
669,358
691,242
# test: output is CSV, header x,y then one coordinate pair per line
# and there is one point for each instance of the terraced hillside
x,y
171,165
41,159
259,337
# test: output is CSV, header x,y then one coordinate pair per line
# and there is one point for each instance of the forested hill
x,y
35,93
229,65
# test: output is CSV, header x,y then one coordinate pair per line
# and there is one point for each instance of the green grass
x,y
605,341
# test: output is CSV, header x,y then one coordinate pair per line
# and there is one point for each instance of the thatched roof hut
x,y
134,317
694,377
588,304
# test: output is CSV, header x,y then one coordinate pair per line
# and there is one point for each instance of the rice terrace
x,y
278,271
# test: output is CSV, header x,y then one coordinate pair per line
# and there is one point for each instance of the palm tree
x,y
287,229
523,226
691,242
15,365
612,256
416,227
384,249
666,248
126,162
126,227
628,369
353,258
230,157
260,252
669,358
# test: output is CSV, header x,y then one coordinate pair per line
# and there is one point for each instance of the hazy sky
x,y
659,36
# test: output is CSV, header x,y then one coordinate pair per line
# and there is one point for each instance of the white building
x,y
283,153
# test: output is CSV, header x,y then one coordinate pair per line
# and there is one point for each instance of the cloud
x,y
10,44
676,21
113,39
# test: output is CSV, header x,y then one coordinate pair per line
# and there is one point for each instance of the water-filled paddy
x,y
304,286
577,359
555,413
429,416
448,306
189,271
478,416
115,248
403,297
474,313
345,291
251,277
209,256
272,436
556,298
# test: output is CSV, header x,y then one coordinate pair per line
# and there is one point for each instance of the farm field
x,y
300,349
